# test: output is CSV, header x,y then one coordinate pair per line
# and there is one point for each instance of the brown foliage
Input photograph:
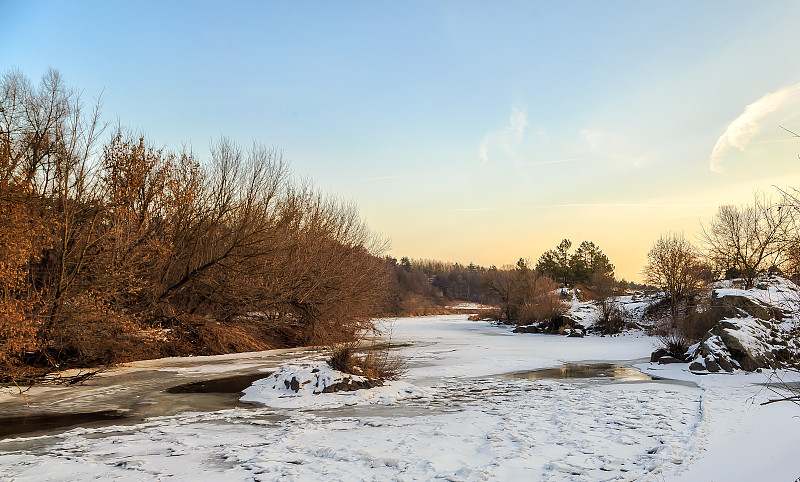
x,y
374,363
526,296
543,304
96,250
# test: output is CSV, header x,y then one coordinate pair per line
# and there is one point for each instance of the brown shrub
x,y
375,363
695,324
542,303
88,332
494,314
612,318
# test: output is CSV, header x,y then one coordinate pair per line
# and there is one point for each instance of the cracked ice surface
x,y
450,418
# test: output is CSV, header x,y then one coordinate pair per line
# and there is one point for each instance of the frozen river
x,y
453,416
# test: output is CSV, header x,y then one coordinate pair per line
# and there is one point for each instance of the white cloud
x,y
740,132
506,139
483,150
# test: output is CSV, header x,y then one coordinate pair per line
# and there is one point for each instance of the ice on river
x,y
453,418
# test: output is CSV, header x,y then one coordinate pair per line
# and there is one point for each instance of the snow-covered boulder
x,y
318,385
296,380
756,328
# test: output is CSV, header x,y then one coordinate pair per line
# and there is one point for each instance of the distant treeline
x,y
426,286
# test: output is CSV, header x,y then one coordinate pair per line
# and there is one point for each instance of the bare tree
x,y
673,264
611,316
748,239
96,246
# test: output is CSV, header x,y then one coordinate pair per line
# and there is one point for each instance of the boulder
x,y
697,367
725,364
747,360
656,355
574,333
668,359
731,306
712,365
294,385
527,329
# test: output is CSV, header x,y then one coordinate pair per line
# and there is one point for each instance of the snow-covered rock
x,y
306,380
756,328
320,386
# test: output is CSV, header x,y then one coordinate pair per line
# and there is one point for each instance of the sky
x,y
465,131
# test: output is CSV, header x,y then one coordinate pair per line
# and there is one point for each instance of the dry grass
x,y
374,364
675,343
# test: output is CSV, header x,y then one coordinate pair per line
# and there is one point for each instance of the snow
x,y
740,438
774,291
451,417
276,390
587,313
470,306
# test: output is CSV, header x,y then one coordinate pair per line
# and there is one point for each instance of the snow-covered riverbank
x,y
452,417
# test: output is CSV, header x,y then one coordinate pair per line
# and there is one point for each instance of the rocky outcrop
x,y
751,332
563,325
725,306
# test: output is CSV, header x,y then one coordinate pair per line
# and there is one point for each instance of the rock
x,y
295,385
711,365
350,385
747,360
725,365
668,359
575,333
554,326
656,355
749,364
697,367
729,306
527,329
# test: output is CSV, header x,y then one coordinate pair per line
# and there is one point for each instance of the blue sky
x,y
466,131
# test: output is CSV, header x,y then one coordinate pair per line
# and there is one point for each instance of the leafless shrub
x,y
377,364
695,324
542,309
675,343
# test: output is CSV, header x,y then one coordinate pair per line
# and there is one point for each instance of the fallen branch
x,y
80,378
793,399
22,392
